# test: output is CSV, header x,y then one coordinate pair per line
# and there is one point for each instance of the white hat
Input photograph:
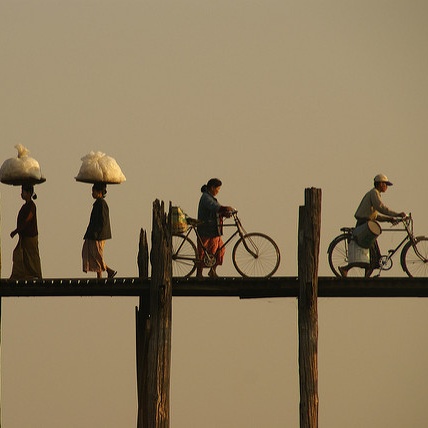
x,y
380,178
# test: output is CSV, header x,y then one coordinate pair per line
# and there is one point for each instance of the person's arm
x,y
384,218
95,222
98,220
225,211
385,214
22,223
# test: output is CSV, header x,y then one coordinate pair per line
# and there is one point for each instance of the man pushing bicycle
x,y
372,208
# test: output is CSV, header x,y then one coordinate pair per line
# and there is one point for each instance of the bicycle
x,y
413,257
253,255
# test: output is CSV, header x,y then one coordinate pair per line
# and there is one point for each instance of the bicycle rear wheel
x,y
338,256
184,256
411,260
256,255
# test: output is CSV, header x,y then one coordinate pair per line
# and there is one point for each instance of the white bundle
x,y
98,167
21,169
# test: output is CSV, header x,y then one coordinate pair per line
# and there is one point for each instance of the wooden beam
x,y
280,286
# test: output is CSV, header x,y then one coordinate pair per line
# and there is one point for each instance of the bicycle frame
x,y
408,228
385,258
239,231
253,255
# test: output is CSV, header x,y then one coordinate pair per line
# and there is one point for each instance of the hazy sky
x,y
271,97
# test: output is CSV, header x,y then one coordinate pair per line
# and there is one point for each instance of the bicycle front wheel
x,y
256,255
184,256
414,258
338,256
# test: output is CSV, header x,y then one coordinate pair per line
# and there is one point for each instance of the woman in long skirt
x,y
26,258
97,233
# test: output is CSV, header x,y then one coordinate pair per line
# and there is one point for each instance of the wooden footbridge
x,y
244,288
153,316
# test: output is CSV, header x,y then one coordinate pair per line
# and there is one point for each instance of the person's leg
x,y
101,262
375,255
217,249
199,270
200,263
344,270
18,268
31,257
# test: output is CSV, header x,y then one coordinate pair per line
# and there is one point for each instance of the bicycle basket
x,y
178,220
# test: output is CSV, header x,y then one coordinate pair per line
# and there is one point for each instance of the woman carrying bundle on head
x,y
96,234
26,258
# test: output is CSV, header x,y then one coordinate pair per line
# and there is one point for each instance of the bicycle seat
x,y
347,229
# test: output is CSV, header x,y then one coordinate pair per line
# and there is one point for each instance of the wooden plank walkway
x,y
220,287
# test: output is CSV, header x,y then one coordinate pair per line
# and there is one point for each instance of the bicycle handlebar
x,y
406,219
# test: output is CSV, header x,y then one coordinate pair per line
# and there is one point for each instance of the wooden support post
x,y
142,321
143,255
308,252
155,387
0,320
0,235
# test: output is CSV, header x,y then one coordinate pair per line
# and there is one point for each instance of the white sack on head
x,y
20,169
98,167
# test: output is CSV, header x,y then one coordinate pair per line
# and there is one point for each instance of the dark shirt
x,y
209,213
99,222
26,227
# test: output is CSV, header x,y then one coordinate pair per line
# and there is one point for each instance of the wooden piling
x,y
308,252
142,322
154,337
0,320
